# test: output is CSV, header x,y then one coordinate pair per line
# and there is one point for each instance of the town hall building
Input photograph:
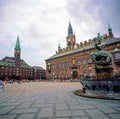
x,y
74,61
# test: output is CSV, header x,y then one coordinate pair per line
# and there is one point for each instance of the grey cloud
x,y
93,11
41,24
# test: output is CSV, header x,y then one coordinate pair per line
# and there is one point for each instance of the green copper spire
x,y
17,46
109,27
110,31
59,46
70,30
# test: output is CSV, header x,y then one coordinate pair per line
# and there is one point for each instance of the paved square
x,y
53,100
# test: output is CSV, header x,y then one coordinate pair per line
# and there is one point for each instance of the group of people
x,y
1,86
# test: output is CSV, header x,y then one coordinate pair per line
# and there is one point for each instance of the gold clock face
x,y
18,51
68,40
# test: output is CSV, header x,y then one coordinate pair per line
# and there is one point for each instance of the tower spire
x,y
59,45
109,27
110,30
17,46
17,52
70,37
70,30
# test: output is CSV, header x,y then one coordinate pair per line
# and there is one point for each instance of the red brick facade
x,y
74,60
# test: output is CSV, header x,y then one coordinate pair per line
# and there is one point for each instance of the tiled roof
x,y
25,66
10,61
112,40
71,52
6,63
37,67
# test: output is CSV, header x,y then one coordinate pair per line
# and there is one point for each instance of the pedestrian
x,y
1,86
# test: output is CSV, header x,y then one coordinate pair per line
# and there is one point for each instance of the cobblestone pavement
x,y
53,100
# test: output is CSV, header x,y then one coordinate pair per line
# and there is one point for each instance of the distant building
x,y
17,68
39,73
74,60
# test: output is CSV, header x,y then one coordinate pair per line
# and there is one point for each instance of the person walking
x,y
1,86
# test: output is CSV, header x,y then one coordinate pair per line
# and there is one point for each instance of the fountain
x,y
104,83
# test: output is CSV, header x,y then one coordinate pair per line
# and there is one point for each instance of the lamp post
x,y
71,76
49,67
53,76
35,68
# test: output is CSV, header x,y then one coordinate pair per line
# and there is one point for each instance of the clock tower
x,y
70,37
17,53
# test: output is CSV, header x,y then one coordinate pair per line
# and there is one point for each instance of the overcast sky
x,y
42,24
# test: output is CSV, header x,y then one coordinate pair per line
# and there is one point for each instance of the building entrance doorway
x,y
75,74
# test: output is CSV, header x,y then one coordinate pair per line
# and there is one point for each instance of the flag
x,y
74,38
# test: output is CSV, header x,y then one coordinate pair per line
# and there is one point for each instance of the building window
x,y
83,61
90,74
84,69
84,74
2,67
63,65
78,62
70,64
67,64
52,67
58,66
89,61
90,68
